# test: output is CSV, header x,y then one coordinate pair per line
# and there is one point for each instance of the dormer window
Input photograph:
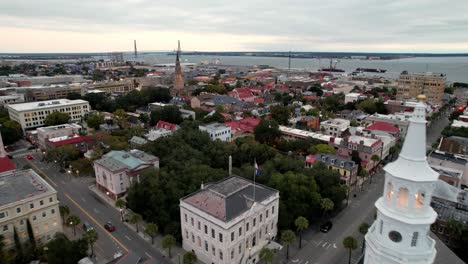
x,y
332,161
342,164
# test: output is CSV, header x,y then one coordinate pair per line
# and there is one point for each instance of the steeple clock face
x,y
395,236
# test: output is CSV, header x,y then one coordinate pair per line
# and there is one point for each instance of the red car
x,y
29,157
109,227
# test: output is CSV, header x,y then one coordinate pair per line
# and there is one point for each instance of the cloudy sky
x,y
234,25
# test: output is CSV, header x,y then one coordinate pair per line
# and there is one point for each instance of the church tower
x,y
178,89
400,233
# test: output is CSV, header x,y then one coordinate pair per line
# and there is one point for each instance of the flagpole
x,y
255,174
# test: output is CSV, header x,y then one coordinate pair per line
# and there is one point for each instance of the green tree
x,y
73,96
168,242
368,106
327,205
322,148
267,255
151,230
63,154
56,118
301,224
91,237
32,239
73,221
190,258
169,114
267,131
363,228
11,131
121,204
61,250
288,238
95,120
120,117
18,247
281,114
350,243
64,212
454,227
98,75
2,249
135,219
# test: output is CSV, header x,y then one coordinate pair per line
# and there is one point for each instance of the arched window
x,y
419,199
402,198
389,191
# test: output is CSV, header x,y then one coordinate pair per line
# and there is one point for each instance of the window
x,y
395,236
41,202
220,255
18,210
240,248
213,233
254,221
31,205
381,227
21,222
50,199
206,246
402,198
52,211
5,228
34,218
193,238
191,220
266,215
240,231
185,216
220,237
247,227
414,239
213,250
232,254
232,236
198,224
206,229
44,214
273,210
186,234
199,241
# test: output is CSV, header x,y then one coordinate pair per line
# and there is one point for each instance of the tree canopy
x,y
56,118
169,114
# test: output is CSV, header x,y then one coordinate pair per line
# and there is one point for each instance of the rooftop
x,y
229,198
130,160
20,185
54,128
336,122
45,104
6,164
368,142
213,126
383,126
336,161
66,140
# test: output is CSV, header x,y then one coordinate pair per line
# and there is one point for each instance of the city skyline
x,y
349,26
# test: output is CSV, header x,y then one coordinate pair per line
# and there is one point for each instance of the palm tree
x,y
190,258
288,238
151,230
363,174
301,224
455,228
64,212
91,237
168,242
135,219
351,244
363,228
327,205
73,221
267,255
121,205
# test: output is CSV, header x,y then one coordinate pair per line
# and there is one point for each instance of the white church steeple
x,y
404,215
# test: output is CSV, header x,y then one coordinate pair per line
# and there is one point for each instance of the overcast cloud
x,y
239,25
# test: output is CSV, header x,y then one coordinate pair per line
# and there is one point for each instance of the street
x,y
89,207
326,248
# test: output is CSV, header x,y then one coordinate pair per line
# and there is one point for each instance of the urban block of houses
x,y
229,221
347,168
400,120
353,97
162,129
217,131
243,127
334,127
26,196
365,146
117,170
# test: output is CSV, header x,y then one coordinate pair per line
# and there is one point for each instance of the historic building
x,y
178,89
400,233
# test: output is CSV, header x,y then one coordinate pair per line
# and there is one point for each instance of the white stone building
x,y
24,196
400,233
353,97
217,131
31,115
116,170
334,127
45,133
229,221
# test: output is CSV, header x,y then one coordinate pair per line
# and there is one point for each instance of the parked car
x,y
109,227
87,227
29,157
325,227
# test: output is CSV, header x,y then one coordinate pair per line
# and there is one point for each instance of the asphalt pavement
x,y
74,192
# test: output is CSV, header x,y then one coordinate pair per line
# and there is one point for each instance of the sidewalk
x,y
176,251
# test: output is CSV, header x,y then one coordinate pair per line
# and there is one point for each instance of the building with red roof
x,y
83,143
166,125
243,127
6,164
384,127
